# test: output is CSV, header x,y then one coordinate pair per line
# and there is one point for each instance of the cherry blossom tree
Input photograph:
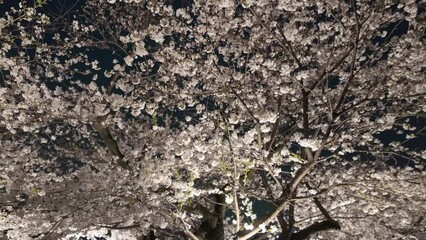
x,y
211,120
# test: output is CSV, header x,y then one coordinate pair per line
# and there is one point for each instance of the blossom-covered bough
x,y
212,119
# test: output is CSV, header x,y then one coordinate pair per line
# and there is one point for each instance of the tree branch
x,y
316,227
329,71
105,133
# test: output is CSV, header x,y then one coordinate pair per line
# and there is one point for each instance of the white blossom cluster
x,y
131,119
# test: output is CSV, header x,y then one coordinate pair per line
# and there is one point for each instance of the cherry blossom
x,y
212,119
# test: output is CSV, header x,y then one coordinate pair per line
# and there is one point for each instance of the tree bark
x,y
314,228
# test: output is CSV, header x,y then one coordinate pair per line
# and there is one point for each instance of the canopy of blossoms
x,y
231,119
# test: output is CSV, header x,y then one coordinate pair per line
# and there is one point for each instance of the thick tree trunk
x,y
316,227
150,236
212,227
